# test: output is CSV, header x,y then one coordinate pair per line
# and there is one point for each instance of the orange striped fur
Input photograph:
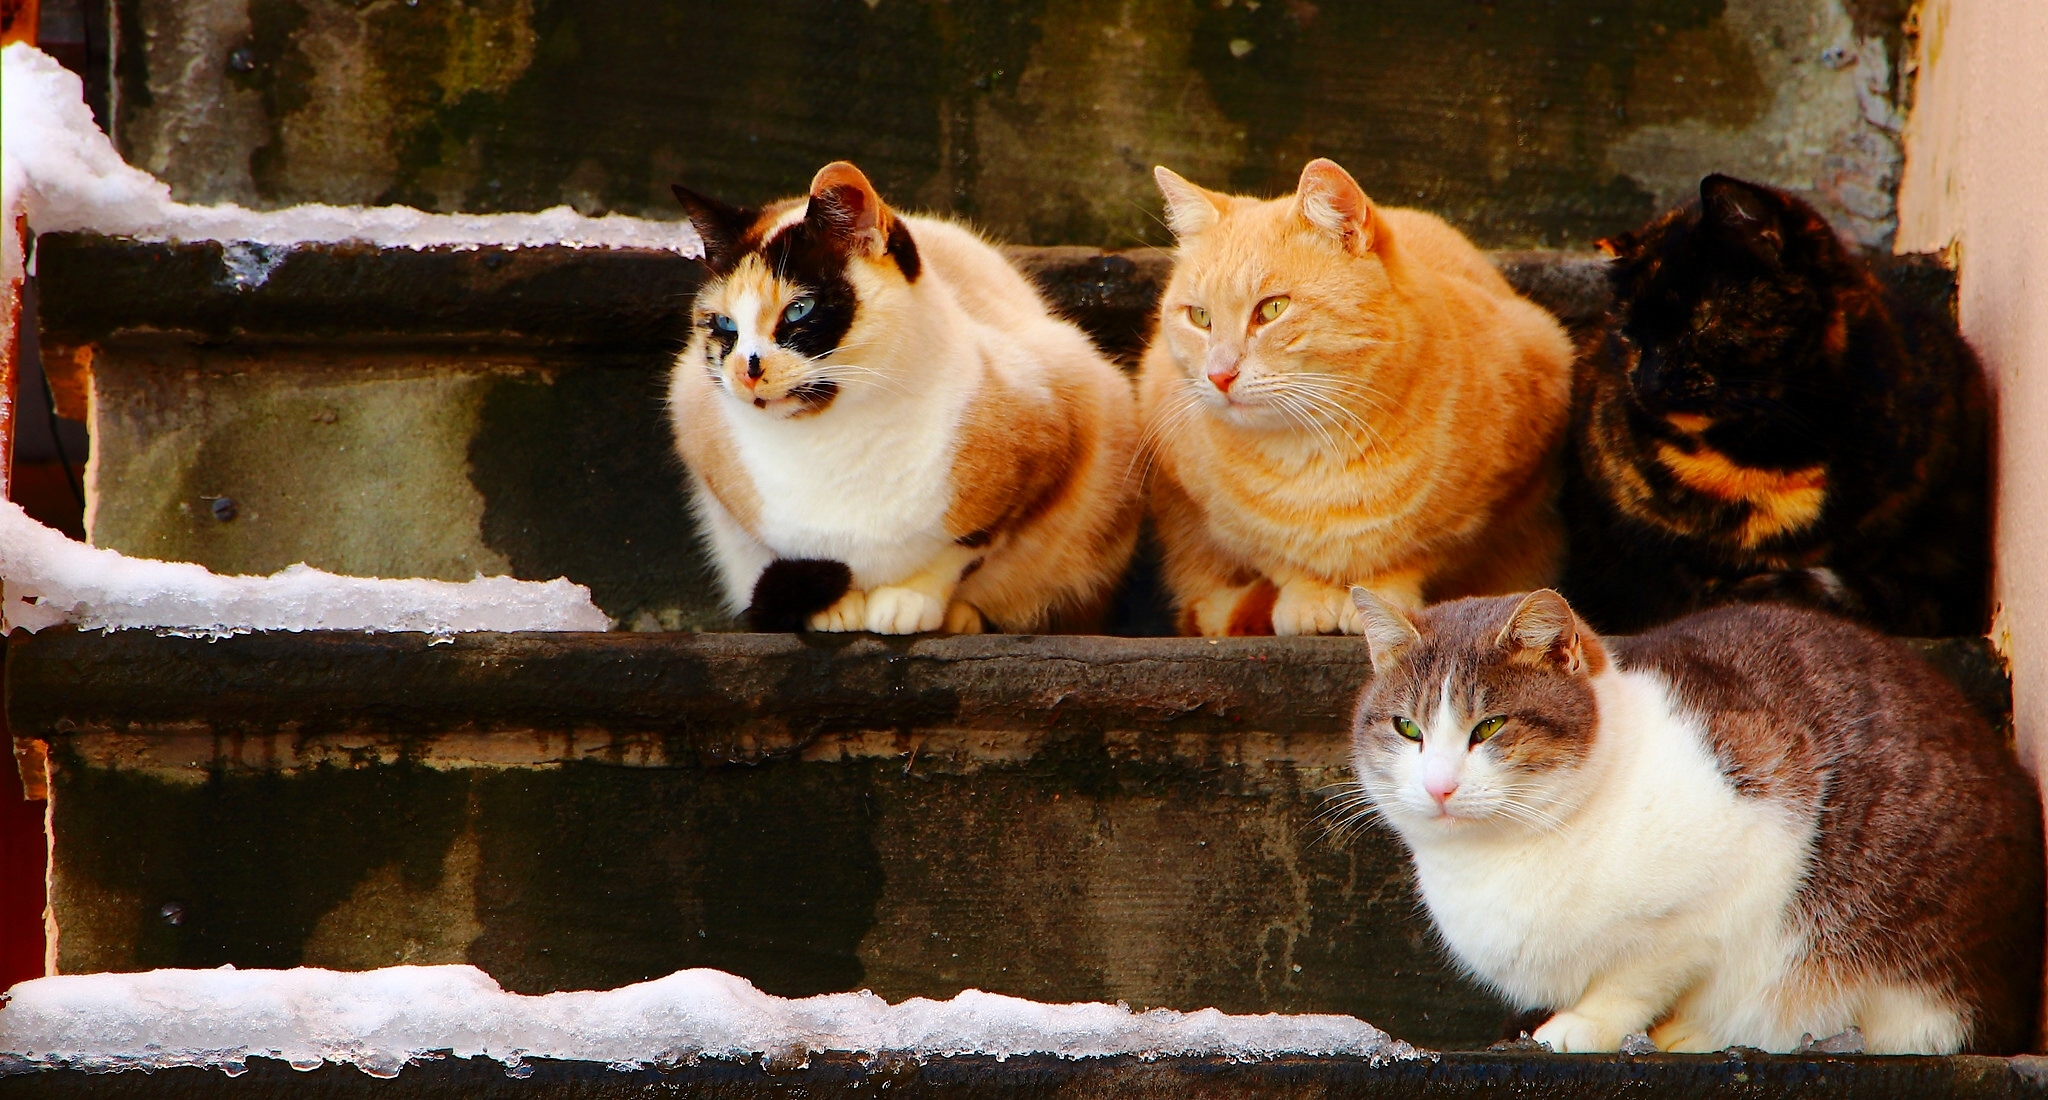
x,y
1394,421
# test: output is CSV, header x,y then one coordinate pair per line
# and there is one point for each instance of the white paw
x,y
850,613
1685,1038
962,618
903,611
1310,607
1571,1033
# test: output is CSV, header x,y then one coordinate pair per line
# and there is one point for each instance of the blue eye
x,y
799,309
723,323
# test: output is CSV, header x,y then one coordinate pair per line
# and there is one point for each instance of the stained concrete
x,y
1531,123
1733,1075
1147,820
1060,819
446,412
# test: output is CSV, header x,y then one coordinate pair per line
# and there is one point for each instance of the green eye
x,y
1272,308
1407,729
799,309
1199,316
1488,728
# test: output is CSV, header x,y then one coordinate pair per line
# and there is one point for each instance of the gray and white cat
x,y
1751,824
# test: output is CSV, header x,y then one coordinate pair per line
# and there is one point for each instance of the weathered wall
x,y
439,413
1530,122
1062,819
1977,180
1058,818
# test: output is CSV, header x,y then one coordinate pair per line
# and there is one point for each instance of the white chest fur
x,y
867,481
1663,857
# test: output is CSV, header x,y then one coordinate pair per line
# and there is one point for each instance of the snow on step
x,y
379,1020
65,173
47,579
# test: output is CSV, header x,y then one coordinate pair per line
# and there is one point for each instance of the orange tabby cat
x,y
1342,393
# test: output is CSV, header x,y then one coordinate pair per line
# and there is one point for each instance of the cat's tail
x,y
791,590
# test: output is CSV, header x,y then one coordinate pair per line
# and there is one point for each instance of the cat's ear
x,y
1190,210
1745,215
1621,246
1545,629
1388,633
720,225
1330,200
844,204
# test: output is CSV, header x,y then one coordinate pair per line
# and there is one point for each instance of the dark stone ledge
x,y
95,289
1060,818
1475,1075
713,693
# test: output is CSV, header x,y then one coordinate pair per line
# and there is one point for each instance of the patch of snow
x,y
1843,1042
381,1020
47,579
64,173
60,172
247,266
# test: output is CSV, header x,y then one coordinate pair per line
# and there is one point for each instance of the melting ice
x,y
381,1020
47,579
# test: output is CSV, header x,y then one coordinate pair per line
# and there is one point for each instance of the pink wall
x,y
1976,179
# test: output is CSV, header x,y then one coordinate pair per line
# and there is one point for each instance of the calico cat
x,y
1760,418
1343,393
886,400
1754,823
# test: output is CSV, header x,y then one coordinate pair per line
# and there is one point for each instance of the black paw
x,y
791,590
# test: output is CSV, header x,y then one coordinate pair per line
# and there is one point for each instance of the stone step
x,y
447,412
1471,1075
1064,818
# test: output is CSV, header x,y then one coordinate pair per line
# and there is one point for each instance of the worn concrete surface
x,y
1059,818
1580,1077
1528,122
440,413
1063,819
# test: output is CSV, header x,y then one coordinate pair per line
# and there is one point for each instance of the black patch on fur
x,y
904,250
721,225
816,395
975,540
1745,308
811,254
791,590
719,341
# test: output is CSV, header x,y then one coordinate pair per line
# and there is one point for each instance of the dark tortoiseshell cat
x,y
1759,418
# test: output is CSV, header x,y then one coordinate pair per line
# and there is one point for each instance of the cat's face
x,y
1724,305
1274,311
800,294
1480,714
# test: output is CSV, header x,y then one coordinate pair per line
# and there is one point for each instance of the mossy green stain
x,y
252,860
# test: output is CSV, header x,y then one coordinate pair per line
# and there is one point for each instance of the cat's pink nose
x,y
1441,788
1222,379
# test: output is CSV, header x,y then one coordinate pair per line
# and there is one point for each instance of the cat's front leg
x,y
1618,1003
1684,1035
1308,606
1231,611
848,614
919,603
